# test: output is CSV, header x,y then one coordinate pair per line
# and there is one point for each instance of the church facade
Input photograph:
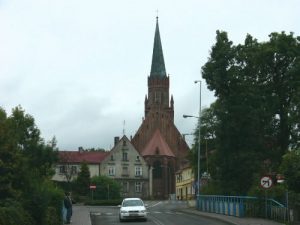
x,y
157,139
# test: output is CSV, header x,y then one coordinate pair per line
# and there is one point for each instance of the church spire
x,y
158,64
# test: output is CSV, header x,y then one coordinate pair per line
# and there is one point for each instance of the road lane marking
x,y
156,221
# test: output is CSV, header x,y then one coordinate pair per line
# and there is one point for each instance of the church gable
x,y
157,146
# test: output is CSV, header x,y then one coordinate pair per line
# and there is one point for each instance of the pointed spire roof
x,y
157,146
158,64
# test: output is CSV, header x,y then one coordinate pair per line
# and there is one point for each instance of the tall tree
x,y
257,89
83,179
26,165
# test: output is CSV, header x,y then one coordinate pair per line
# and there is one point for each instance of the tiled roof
x,y
157,146
82,156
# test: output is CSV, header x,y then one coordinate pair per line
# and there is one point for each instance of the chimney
x,y
116,140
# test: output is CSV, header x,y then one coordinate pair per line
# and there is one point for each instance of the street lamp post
x,y
199,120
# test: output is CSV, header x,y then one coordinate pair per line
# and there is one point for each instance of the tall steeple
x,y
158,69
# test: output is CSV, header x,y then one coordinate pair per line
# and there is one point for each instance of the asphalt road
x,y
159,213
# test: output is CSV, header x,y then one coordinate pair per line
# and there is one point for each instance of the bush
x,y
107,188
112,202
52,217
212,188
12,213
40,199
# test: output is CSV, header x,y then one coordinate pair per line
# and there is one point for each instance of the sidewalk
x,y
81,216
231,219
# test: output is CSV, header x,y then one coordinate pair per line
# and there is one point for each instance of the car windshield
x,y
132,203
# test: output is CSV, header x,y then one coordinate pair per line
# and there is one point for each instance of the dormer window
x,y
157,151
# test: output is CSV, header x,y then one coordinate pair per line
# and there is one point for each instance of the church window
x,y
157,170
156,97
157,151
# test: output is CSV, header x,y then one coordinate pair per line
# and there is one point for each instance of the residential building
x,y
127,166
70,162
185,183
157,139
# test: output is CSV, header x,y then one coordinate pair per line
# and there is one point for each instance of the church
x,y
157,139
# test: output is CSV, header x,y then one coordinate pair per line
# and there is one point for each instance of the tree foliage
x,y
106,188
83,180
290,168
257,85
26,166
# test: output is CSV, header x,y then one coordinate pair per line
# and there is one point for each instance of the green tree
x,y
26,166
209,123
107,188
257,89
83,180
290,168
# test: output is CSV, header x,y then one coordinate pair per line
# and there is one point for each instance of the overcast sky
x,y
80,67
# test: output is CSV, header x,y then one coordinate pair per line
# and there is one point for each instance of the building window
x,y
125,186
112,158
111,171
138,158
157,170
125,171
74,170
125,156
138,187
138,171
62,169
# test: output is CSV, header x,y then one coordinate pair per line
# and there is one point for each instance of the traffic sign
x,y
92,186
266,182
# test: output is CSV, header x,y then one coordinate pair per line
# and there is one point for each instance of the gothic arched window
x,y
157,171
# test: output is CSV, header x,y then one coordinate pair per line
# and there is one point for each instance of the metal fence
x,y
242,206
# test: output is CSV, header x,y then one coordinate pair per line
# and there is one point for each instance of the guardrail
x,y
242,206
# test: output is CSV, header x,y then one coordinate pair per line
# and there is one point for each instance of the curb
x,y
193,212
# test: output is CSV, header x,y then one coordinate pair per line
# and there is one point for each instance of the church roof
x,y
157,146
158,64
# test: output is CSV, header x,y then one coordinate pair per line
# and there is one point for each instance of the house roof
x,y
81,156
157,146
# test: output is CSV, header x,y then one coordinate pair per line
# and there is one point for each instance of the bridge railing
x,y
242,206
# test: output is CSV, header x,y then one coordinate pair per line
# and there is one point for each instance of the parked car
x,y
132,208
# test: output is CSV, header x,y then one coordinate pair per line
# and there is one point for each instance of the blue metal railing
x,y
241,206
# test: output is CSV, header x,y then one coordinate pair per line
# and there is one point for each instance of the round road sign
x,y
266,182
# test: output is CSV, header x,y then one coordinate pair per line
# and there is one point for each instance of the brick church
x,y
157,139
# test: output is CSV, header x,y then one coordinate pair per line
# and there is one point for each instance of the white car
x,y
132,208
